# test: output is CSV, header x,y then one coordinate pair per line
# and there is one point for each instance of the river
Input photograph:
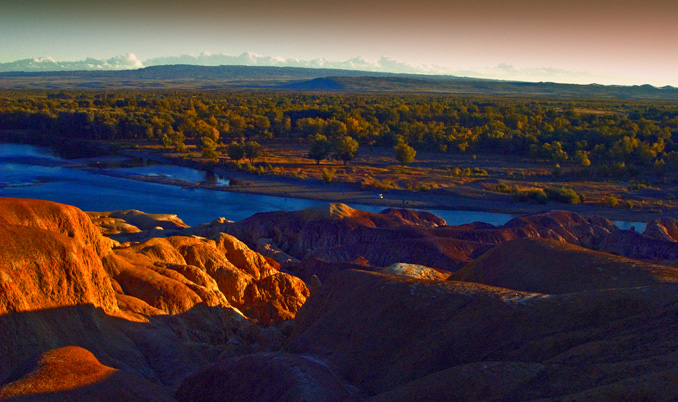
x,y
28,171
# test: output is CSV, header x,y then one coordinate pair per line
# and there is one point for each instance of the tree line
x,y
613,134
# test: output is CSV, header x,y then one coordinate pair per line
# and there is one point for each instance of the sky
x,y
584,41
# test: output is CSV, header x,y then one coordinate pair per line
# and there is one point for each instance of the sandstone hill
x,y
547,266
132,306
150,312
399,339
339,234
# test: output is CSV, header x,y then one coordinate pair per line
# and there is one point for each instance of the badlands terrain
x,y
333,304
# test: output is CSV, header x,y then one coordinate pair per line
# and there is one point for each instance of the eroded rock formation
x,y
151,312
160,311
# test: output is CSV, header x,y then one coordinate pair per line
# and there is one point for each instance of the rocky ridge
x,y
155,310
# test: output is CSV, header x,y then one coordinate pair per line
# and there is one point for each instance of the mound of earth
x,y
639,246
663,229
548,266
266,377
337,233
402,339
415,271
74,374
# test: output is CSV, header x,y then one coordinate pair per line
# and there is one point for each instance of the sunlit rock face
x,y
176,273
74,374
154,311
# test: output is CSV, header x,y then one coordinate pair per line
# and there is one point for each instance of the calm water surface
x,y
28,171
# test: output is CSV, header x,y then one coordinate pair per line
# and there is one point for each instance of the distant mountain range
x,y
237,77
131,62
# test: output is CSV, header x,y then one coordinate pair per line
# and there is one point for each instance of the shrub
x,y
534,195
563,194
328,174
404,153
611,201
505,188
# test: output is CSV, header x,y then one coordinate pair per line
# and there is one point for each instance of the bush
x,y
611,201
328,174
563,194
404,153
534,195
505,188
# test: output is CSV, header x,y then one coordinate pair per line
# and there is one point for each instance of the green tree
x,y
404,153
209,149
320,148
252,150
178,139
235,151
346,149
582,158
166,141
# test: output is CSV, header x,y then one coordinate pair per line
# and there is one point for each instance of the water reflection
x,y
178,173
32,172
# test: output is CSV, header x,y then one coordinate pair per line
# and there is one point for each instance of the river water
x,y
28,171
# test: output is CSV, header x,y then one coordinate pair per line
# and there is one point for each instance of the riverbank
x,y
464,198
446,192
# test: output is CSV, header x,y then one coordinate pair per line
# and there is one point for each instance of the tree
x,y
335,128
582,158
209,149
178,139
346,149
319,149
252,150
404,153
235,151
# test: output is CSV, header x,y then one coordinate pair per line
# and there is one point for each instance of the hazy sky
x,y
623,41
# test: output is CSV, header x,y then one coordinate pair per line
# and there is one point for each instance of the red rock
x,y
313,266
547,266
40,269
411,217
662,229
416,272
338,234
635,245
72,373
54,217
145,311
145,221
174,274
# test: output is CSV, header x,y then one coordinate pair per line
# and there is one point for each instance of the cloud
x,y
384,64
509,72
125,62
